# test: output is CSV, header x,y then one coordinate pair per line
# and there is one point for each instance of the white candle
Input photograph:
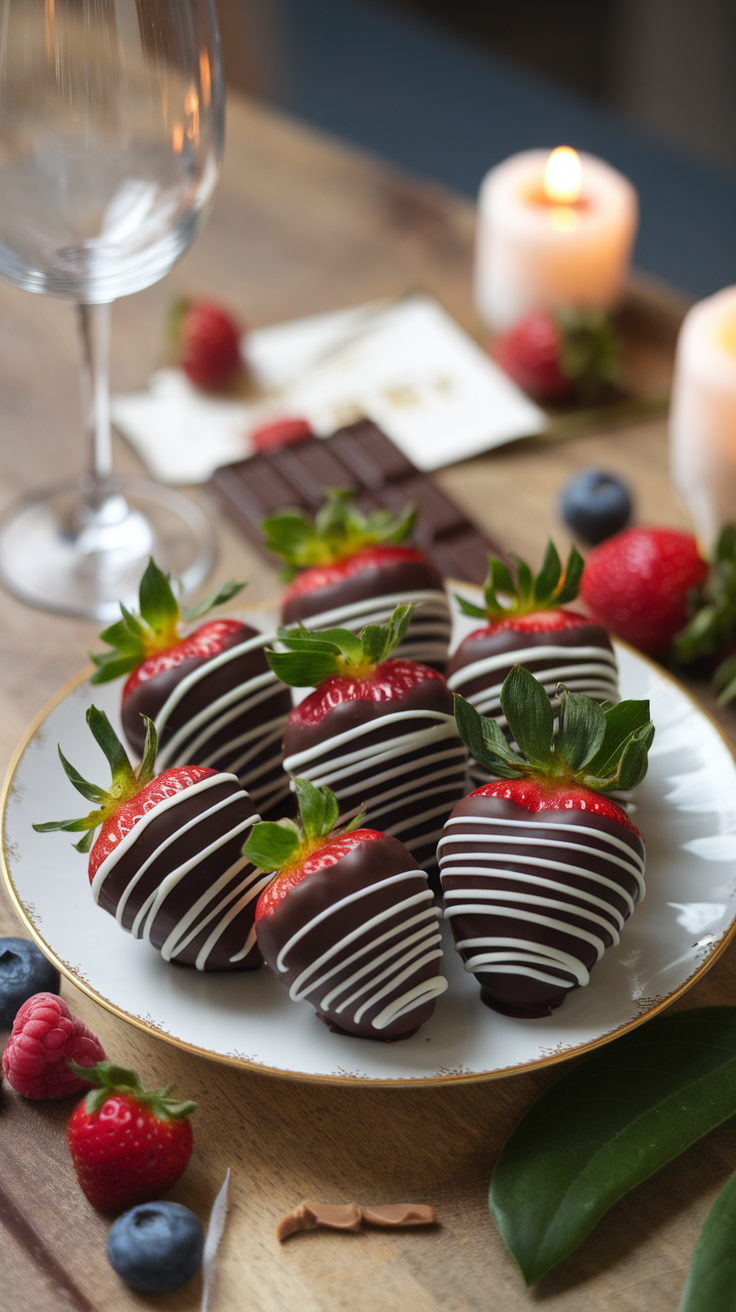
x,y
552,230
703,415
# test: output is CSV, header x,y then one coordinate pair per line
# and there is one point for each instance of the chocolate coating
x,y
364,968
175,835
227,738
595,675
424,780
428,635
536,900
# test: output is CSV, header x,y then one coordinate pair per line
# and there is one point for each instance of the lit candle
x,y
703,415
553,229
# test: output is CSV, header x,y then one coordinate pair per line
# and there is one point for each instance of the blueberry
x,y
595,505
24,971
156,1247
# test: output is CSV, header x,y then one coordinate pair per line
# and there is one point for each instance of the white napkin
x,y
406,365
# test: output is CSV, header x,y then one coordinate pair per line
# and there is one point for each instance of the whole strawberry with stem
x,y
378,729
167,861
540,869
640,582
529,623
128,1144
348,921
210,692
351,569
205,341
556,355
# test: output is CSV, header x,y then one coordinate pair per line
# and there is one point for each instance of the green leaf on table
x,y
612,1121
711,1279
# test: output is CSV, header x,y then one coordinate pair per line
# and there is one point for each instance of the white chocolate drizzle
x,y
428,636
439,773
189,744
210,908
533,898
383,964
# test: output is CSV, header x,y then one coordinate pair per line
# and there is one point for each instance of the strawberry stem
x,y
315,656
338,531
279,845
551,589
110,1080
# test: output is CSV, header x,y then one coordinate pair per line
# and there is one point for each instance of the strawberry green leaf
x,y
549,574
475,612
89,791
122,771
112,666
633,764
159,606
500,579
85,843
339,531
147,767
581,729
356,821
622,720
485,741
271,846
301,669
711,1279
606,1125
318,808
219,597
524,585
123,639
529,714
571,578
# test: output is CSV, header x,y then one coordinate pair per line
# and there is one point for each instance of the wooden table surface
x,y
301,225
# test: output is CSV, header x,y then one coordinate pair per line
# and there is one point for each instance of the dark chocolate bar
x,y
364,460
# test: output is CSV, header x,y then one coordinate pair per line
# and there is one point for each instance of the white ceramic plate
x,y
686,809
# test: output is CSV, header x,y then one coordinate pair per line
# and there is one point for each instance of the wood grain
x,y
302,224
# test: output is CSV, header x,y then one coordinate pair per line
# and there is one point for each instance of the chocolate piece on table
x,y
364,460
348,1216
399,1214
320,1216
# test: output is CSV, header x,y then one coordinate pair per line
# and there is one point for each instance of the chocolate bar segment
x,y
363,459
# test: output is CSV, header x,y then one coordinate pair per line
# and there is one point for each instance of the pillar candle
x,y
703,415
553,229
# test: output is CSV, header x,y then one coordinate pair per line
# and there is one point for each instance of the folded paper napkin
x,y
404,364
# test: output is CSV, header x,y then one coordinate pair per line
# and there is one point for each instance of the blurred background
x,y
447,88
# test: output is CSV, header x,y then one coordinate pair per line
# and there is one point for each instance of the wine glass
x,y
111,137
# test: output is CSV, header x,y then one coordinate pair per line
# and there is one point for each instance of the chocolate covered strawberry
x,y
168,860
351,569
348,922
539,868
210,692
378,730
533,627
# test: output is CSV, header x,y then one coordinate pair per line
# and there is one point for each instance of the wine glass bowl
x,y
111,137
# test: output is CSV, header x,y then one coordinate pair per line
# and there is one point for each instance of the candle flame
x,y
563,176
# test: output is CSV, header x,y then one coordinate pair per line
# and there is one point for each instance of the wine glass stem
x,y
94,327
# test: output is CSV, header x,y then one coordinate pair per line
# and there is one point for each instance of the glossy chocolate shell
x,y
403,760
226,711
535,897
360,940
370,595
581,657
178,878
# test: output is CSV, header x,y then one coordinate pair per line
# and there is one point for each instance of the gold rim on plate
x,y
408,1082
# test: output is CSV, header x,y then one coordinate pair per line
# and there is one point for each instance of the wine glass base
x,y
61,553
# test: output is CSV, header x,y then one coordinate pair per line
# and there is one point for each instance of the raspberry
x,y
45,1036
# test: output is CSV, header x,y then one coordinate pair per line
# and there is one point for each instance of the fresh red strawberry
x,y
221,665
206,343
539,869
280,432
554,355
382,729
351,569
348,921
128,1144
179,891
45,1037
531,627
637,584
